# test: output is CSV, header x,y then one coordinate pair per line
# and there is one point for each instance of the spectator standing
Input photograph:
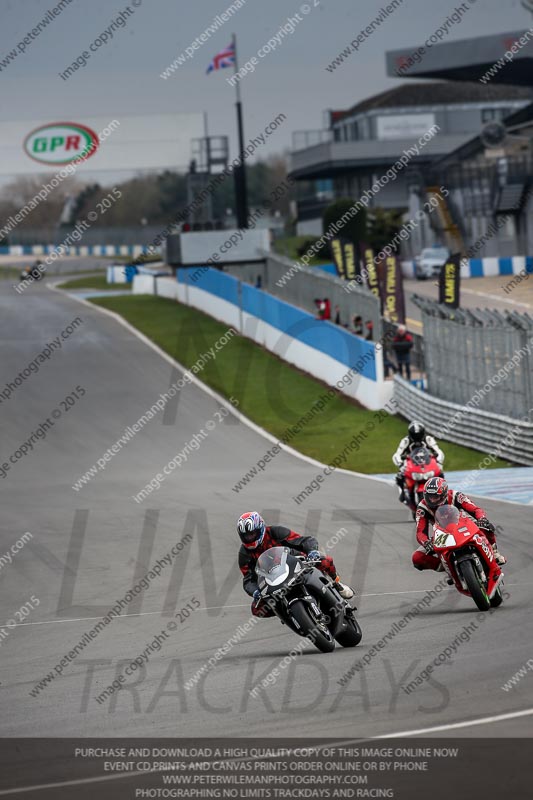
x,y
324,308
321,307
402,344
358,325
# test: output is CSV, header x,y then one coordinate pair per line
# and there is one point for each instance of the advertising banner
x,y
450,281
393,294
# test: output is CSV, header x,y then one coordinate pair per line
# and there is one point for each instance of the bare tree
x,y
24,191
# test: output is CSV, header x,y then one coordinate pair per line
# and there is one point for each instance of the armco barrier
x,y
321,349
480,430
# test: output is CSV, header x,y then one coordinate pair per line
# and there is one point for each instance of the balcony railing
x,y
313,207
303,139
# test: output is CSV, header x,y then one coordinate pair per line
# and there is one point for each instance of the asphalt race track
x,y
90,547
62,266
487,292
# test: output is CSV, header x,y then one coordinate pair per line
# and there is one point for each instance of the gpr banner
x,y
125,142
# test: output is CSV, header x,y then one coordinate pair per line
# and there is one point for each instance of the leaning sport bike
x,y
306,600
420,466
35,273
467,557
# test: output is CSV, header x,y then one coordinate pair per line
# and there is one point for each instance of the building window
x,y
355,131
489,114
336,134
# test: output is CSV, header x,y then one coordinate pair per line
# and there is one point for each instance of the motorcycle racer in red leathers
x,y
256,537
437,493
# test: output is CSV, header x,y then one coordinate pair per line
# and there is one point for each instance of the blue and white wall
x,y
74,250
322,349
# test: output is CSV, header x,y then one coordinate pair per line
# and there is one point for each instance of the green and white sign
x,y
61,143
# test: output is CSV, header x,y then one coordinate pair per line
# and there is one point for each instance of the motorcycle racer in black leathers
x,y
256,537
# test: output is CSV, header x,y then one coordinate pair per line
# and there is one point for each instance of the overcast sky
x,y
124,76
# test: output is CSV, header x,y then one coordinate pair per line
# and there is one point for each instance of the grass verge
x,y
95,281
271,392
10,273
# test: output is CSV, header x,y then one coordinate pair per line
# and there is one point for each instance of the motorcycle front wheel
x,y
497,598
352,635
475,587
319,635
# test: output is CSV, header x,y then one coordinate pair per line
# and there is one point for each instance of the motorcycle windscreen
x,y
447,515
272,565
421,457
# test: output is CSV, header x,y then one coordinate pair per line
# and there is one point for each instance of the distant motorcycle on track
x,y
306,600
467,557
36,272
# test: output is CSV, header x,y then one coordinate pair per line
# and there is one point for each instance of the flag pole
x,y
241,191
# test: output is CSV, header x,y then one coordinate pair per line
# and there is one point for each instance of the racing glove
x,y
257,596
486,525
314,555
428,547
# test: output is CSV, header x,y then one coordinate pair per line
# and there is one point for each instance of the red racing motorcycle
x,y
467,557
420,466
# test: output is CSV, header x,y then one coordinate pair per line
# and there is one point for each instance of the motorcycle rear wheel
x,y
352,635
322,639
472,580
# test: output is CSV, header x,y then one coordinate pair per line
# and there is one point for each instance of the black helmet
x,y
416,431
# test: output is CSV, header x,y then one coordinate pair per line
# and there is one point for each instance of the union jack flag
x,y
226,58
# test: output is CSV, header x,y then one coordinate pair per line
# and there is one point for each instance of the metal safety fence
x,y
479,358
